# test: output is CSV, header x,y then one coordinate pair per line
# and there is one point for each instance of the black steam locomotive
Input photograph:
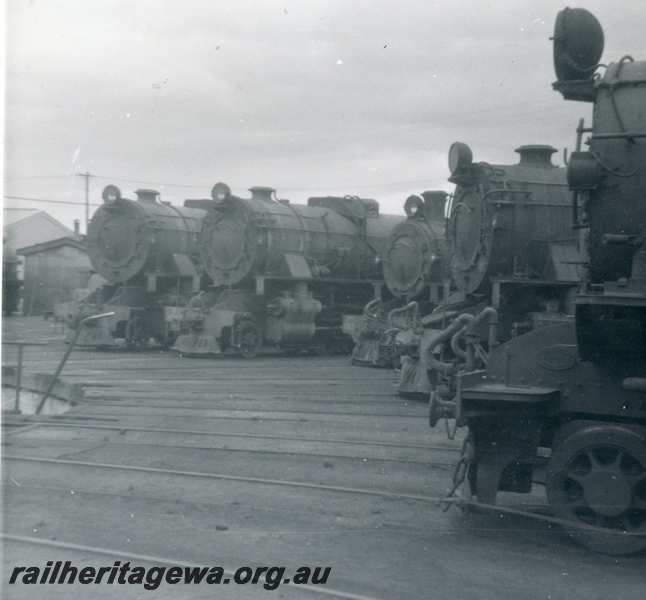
x,y
416,276
146,250
510,245
283,275
566,403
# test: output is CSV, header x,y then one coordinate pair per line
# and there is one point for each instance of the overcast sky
x,y
311,96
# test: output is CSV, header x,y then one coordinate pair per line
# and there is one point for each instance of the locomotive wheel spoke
x,y
594,462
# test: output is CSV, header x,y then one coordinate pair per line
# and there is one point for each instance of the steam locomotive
x,y
147,252
510,245
416,276
566,403
283,275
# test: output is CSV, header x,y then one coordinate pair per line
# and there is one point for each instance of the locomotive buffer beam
x,y
491,399
504,424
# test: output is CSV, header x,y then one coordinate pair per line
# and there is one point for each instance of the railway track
x,y
327,592
124,428
299,460
225,477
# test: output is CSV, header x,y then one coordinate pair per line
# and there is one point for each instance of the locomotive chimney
x,y
77,228
435,202
262,193
536,156
149,196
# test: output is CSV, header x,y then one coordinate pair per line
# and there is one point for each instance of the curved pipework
x,y
492,314
370,309
411,306
428,346
455,343
463,326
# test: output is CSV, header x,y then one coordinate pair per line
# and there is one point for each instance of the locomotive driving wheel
x,y
597,478
249,339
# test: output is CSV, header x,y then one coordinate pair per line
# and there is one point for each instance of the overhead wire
x,y
46,200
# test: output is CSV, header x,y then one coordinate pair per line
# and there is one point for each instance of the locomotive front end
x,y
118,246
128,239
146,250
415,273
298,267
415,254
503,217
572,396
229,238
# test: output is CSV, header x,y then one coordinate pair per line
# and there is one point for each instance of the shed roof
x,y
50,245
32,228
13,215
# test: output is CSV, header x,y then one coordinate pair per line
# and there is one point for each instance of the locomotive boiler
x,y
147,251
569,400
416,277
283,274
510,245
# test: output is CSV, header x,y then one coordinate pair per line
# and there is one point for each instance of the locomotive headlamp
x,y
111,194
413,206
578,44
460,157
220,192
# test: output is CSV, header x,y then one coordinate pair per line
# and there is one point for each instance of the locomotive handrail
x,y
615,171
617,135
531,181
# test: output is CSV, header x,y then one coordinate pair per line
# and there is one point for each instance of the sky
x,y
311,97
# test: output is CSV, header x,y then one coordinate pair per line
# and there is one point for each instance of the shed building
x,y
53,270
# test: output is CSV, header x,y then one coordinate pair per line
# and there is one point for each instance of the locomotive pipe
x,y
469,331
463,324
492,314
368,309
414,306
428,346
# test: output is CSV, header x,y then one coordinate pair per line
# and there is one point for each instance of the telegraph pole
x,y
87,197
